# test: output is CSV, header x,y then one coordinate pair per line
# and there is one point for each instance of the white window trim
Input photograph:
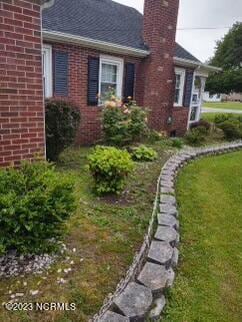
x,y
48,71
182,73
120,71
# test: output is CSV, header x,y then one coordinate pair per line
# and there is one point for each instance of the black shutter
x,y
61,73
93,79
188,88
129,80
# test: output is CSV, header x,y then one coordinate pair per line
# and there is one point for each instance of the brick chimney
x,y
159,32
22,133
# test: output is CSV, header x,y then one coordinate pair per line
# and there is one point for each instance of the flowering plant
x,y
123,123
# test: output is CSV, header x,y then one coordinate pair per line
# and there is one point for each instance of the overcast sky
x,y
201,14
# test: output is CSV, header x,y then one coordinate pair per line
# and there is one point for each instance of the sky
x,y
201,14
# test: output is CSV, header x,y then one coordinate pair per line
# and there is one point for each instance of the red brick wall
x,y
157,73
90,127
21,94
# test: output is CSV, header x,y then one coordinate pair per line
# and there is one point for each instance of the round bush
x,y
34,203
195,136
62,121
143,153
232,129
201,124
109,167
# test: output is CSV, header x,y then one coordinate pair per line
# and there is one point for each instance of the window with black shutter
x,y
93,81
129,80
61,74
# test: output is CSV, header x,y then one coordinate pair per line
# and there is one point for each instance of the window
x,y
111,76
193,115
179,90
47,70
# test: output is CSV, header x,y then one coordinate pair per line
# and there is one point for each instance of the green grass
x,y
225,105
211,116
106,233
208,287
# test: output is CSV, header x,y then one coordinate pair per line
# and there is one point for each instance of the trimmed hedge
x,y
109,167
34,203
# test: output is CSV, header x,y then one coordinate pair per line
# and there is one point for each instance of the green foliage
x,y
109,167
232,129
62,121
34,203
220,118
144,153
123,124
201,124
195,136
230,124
228,56
177,143
154,136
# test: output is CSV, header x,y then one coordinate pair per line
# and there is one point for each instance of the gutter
x,y
194,64
93,43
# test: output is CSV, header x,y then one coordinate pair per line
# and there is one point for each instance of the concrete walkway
x,y
220,110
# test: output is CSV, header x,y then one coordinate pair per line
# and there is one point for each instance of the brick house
x,y
76,49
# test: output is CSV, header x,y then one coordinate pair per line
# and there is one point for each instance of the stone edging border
x,y
140,295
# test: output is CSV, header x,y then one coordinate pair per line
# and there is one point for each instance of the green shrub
x,y
34,203
177,143
195,136
154,136
232,129
62,121
143,153
123,124
109,167
220,118
202,124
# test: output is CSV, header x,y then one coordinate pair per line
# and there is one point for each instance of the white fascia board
x,y
92,43
190,63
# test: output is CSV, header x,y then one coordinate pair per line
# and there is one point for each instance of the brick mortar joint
x,y
174,164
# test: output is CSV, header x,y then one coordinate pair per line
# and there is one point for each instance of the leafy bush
x,y
195,136
143,153
177,143
220,118
232,129
34,202
201,124
62,121
109,167
154,136
123,123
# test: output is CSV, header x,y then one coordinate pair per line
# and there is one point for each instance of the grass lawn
x,y
210,116
225,105
208,287
105,233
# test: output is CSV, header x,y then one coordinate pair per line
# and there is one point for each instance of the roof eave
x,y
54,36
196,64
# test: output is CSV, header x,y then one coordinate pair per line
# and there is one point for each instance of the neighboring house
x,y
212,98
86,46
233,97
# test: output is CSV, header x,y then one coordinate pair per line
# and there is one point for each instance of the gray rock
x,y
175,257
168,210
168,221
134,302
167,184
113,317
171,277
161,253
166,199
166,234
166,190
159,305
153,276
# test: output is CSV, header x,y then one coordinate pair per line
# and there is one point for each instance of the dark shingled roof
x,y
103,20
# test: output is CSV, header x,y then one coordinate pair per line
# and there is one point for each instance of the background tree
x,y
228,56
